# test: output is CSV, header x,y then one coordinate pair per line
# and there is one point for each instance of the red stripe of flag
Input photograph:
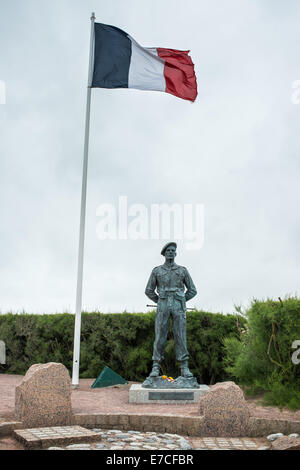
x,y
179,73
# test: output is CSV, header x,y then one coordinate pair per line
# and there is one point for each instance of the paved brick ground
x,y
130,440
155,441
8,384
8,443
115,399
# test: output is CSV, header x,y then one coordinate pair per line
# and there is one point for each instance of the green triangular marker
x,y
107,378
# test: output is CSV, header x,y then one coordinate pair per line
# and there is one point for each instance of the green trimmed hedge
x,y
261,360
123,342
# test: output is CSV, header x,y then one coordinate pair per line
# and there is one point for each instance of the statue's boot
x,y
155,369
185,371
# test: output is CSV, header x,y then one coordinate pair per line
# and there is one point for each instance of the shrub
x,y
261,360
124,342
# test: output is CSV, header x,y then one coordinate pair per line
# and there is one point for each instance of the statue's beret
x,y
166,246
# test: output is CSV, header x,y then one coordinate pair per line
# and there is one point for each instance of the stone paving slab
x,y
41,438
230,443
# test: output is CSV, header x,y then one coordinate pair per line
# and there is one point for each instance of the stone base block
x,y
41,438
43,398
138,394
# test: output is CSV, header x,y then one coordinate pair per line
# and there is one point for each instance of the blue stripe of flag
x,y
112,57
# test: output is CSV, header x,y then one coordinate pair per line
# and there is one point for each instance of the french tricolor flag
x,y
120,62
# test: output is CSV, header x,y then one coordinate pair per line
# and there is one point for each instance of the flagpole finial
x,y
93,17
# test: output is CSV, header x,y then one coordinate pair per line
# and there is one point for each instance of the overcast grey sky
x,y
236,150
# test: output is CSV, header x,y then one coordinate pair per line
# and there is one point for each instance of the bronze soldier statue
x,y
166,287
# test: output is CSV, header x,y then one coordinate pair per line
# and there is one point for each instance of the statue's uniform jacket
x,y
166,287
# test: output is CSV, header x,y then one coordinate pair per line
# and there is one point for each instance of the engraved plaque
x,y
171,395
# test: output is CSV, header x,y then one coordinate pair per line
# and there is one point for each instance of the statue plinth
x,y
138,393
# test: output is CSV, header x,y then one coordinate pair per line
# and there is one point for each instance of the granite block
x,y
44,396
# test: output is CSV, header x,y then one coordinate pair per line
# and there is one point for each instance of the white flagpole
x,y
77,331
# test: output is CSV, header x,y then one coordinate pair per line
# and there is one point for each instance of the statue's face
x,y
170,252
